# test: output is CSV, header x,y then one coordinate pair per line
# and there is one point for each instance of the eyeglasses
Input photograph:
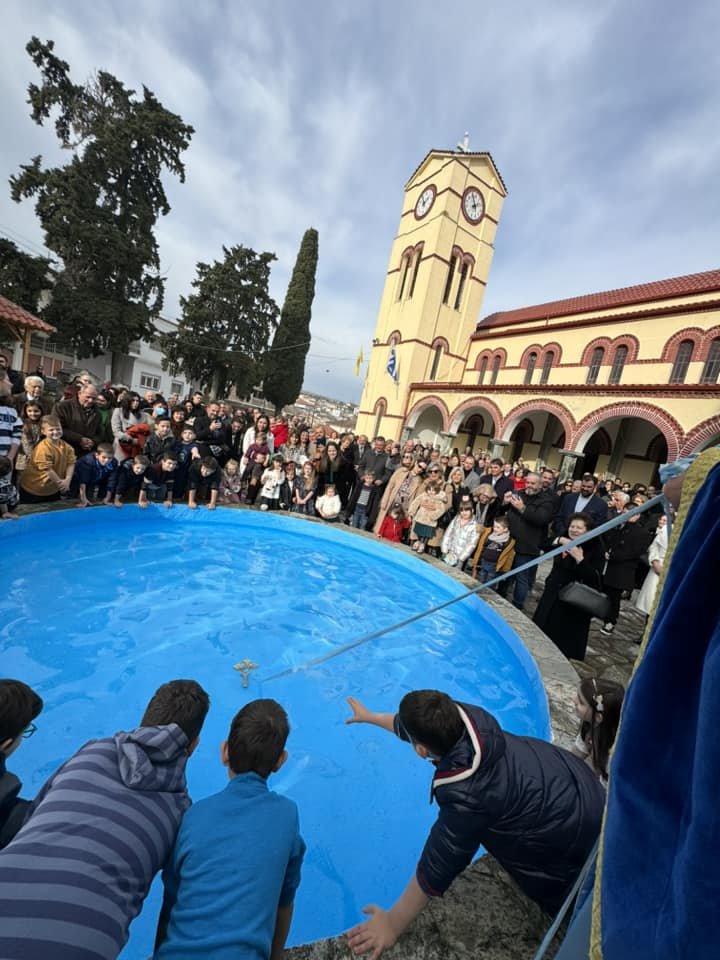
x,y
29,731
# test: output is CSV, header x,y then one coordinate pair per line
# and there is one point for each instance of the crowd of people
x,y
481,514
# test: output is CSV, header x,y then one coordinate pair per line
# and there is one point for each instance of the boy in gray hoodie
x,y
77,873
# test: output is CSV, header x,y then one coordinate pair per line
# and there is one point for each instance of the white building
x,y
141,369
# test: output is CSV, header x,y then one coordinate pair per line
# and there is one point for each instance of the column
x,y
568,463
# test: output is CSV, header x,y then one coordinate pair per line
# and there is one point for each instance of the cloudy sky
x,y
602,118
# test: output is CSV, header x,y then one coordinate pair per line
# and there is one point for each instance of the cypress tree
x,y
285,362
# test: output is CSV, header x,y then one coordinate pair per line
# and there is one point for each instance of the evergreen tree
x,y
98,211
285,363
23,277
226,325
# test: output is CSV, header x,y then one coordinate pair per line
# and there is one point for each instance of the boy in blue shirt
x,y
230,882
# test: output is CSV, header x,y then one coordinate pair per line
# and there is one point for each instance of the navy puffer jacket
x,y
535,807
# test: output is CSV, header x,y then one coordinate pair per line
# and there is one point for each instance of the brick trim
x,y
712,334
556,348
389,341
625,340
700,434
702,390
669,351
531,406
482,405
422,343
665,423
534,348
440,342
419,406
604,342
380,402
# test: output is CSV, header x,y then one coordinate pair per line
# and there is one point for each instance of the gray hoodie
x,y
103,825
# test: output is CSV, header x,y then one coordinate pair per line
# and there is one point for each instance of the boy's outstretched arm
x,y
382,930
361,714
282,928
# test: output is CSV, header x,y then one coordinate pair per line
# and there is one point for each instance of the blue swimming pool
x,y
101,606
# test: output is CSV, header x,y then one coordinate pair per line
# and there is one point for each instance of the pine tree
x,y
226,325
285,363
98,211
23,277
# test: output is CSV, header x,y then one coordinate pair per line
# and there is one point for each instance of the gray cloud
x,y
601,119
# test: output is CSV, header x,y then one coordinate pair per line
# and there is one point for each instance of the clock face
x,y
473,205
424,202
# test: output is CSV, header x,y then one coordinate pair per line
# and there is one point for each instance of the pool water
x,y
102,606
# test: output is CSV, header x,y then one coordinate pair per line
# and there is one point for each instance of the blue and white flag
x,y
392,364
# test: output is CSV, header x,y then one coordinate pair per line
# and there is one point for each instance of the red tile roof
x,y
12,313
608,299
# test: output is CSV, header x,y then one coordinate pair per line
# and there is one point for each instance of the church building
x,y
615,382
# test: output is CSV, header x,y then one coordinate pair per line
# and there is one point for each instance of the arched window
x,y
495,369
595,363
380,408
483,370
404,267
682,361
711,370
616,370
530,369
547,366
451,274
461,285
418,255
436,361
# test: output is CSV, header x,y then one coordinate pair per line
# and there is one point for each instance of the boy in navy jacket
x,y
535,807
92,475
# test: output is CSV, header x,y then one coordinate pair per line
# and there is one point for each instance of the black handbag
x,y
585,598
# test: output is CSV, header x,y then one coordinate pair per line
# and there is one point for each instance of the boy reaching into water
x,y
230,882
535,807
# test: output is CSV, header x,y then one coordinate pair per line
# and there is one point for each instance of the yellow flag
x,y
359,362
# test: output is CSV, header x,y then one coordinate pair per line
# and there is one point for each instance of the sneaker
x,y
607,628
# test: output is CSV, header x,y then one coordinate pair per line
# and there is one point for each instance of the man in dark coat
x,y
497,479
529,513
587,501
375,461
535,807
624,546
32,393
81,421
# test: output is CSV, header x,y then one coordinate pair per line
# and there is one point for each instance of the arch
x,y
380,404
418,251
556,349
600,441
712,334
603,342
394,339
432,401
485,355
535,348
626,340
502,353
666,424
440,342
530,406
482,406
696,334
700,434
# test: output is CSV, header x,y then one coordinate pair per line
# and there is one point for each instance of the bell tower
x,y
435,281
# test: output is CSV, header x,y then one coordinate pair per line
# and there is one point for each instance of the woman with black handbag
x,y
564,611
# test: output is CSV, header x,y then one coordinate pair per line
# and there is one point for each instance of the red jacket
x,y
391,529
280,433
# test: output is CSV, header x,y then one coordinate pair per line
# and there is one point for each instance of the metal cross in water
x,y
245,668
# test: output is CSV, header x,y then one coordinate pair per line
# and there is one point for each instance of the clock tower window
x,y
451,273
404,268
461,286
418,255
